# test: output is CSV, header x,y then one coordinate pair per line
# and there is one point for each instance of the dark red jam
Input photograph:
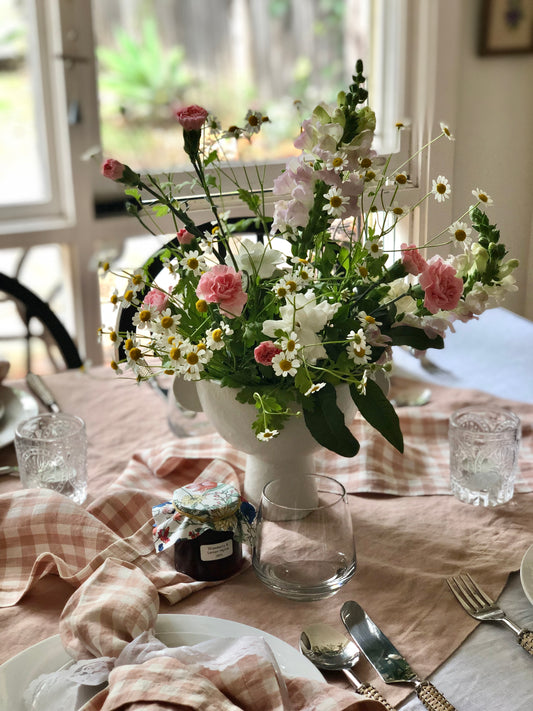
x,y
213,555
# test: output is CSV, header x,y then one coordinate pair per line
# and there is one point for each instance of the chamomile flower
x,y
215,336
337,162
374,247
254,120
314,388
286,286
285,364
144,316
441,188
401,178
336,201
170,264
399,210
446,131
266,435
194,261
290,343
195,358
137,281
482,196
460,232
358,350
167,322
367,320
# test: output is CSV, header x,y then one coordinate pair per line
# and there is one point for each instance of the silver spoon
x,y
333,651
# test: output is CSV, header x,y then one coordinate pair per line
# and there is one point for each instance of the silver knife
x,y
386,659
38,387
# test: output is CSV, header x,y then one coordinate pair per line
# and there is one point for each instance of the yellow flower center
x,y
136,279
135,354
363,271
266,435
114,365
285,365
335,201
253,120
460,235
374,247
113,299
359,352
401,178
113,336
291,345
365,163
369,175
292,285
167,321
215,230
441,188
192,358
282,292
192,263
171,339
105,266
175,353
217,335
483,197
370,319
201,346
201,306
337,162
446,131
128,344
144,315
397,211
128,296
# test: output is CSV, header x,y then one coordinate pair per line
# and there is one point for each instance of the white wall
x,y
494,145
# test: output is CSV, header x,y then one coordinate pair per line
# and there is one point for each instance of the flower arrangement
x,y
317,302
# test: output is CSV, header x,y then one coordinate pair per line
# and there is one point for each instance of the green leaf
x,y
326,423
378,412
160,210
211,158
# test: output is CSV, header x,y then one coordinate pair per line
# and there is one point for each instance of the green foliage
x,y
326,423
145,78
379,412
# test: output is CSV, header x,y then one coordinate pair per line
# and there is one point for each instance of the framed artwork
x,y
506,27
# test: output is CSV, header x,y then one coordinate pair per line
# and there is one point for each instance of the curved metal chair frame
x,y
30,306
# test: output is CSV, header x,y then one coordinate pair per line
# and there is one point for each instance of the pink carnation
x,y
442,287
112,169
413,261
192,118
222,285
156,298
265,351
184,237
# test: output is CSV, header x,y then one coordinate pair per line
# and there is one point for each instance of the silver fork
x,y
479,605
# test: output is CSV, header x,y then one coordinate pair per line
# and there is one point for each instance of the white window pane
x,y
21,113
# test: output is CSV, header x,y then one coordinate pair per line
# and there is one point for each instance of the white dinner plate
x,y
174,630
18,406
526,574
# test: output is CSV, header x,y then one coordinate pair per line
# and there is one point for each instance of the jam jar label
x,y
216,551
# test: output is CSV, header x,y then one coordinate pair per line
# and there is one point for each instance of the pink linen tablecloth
x,y
406,544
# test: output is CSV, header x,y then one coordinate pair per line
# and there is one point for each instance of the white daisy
x,y
336,201
215,336
460,232
358,349
267,435
337,162
482,196
441,188
374,247
194,261
285,363
290,343
315,387
446,131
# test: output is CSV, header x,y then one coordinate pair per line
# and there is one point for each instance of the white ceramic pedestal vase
x,y
289,455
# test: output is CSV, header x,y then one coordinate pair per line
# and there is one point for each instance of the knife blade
x,y
39,388
386,659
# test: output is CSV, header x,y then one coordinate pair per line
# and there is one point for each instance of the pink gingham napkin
x,y
108,627
42,532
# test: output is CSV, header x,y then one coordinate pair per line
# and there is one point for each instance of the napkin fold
x,y
42,533
108,626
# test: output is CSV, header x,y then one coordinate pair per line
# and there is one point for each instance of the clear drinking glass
x,y
484,445
305,547
52,454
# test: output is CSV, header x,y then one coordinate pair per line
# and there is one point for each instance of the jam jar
x,y
207,548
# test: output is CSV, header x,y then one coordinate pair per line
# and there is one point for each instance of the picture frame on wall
x,y
506,27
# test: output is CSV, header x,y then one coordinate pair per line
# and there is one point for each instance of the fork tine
x,y
458,592
469,589
475,588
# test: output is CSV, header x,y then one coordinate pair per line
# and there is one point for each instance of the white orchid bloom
x,y
257,258
305,317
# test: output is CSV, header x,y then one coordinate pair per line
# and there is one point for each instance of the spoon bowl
x,y
331,650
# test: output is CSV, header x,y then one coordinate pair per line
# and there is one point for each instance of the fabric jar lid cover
x,y
207,500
